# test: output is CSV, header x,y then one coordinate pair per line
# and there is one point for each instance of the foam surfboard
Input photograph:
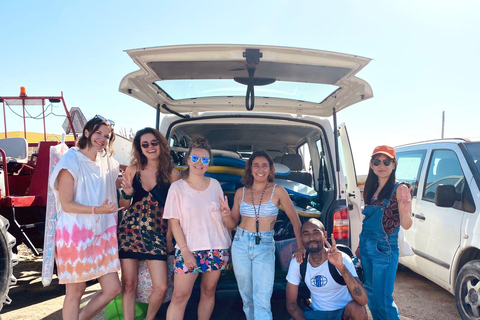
x,y
280,169
297,188
309,212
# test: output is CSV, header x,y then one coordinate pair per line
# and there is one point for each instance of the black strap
x,y
333,272
336,275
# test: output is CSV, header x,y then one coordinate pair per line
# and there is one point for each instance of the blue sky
x,y
425,55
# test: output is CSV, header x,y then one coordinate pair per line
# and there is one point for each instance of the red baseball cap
x,y
386,150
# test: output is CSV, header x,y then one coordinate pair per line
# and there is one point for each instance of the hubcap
x,y
472,296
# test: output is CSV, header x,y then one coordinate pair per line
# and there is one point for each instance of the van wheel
x,y
7,261
467,290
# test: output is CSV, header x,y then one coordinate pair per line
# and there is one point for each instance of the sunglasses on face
x,y
104,119
195,159
145,144
386,162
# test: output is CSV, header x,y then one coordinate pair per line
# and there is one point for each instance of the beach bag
x,y
404,248
56,152
144,285
113,310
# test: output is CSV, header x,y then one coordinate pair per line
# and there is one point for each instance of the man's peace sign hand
x,y
333,254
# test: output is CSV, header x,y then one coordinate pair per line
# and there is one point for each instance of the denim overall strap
x,y
372,224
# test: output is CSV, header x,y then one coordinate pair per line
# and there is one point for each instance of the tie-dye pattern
x,y
81,255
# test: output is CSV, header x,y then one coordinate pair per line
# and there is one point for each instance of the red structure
x,y
23,178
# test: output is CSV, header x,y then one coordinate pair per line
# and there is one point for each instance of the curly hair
x,y
91,126
196,143
247,178
165,165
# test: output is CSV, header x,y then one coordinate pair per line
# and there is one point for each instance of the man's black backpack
x,y
303,291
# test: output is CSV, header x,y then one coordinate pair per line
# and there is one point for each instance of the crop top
x,y
266,210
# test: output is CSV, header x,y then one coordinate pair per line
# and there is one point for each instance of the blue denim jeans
x,y
254,267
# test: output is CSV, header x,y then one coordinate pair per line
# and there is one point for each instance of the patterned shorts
x,y
207,260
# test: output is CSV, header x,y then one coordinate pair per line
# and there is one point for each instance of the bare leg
x,y
158,273
182,289
110,289
129,287
207,294
71,304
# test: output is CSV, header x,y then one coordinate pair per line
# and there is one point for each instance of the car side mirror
x,y
445,196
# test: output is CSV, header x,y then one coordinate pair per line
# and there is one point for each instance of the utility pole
x,y
443,123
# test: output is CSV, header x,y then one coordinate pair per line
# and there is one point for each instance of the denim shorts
x,y
311,314
207,260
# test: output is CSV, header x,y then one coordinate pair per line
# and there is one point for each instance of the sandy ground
x,y
416,297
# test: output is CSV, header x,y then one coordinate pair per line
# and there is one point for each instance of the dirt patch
x,y
416,297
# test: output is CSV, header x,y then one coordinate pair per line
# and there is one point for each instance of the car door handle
x,y
419,216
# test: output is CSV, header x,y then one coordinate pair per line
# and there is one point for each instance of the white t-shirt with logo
x,y
326,294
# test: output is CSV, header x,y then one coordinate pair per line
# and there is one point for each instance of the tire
x,y
7,261
467,291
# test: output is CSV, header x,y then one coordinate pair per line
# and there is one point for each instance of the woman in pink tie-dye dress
x,y
83,183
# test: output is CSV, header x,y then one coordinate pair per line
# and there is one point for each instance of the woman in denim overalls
x,y
387,207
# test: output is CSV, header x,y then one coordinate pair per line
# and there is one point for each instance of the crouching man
x,y
333,297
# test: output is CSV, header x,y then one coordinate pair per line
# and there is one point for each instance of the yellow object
x,y
35,137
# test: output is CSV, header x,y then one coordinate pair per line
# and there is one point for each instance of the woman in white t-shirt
x,y
200,220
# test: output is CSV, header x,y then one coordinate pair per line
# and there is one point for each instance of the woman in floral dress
x,y
143,234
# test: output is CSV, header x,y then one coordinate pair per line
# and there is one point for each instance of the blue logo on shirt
x,y
318,281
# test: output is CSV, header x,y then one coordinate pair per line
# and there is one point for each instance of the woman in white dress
x,y
83,183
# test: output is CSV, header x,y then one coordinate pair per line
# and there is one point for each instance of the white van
x,y
445,235
242,98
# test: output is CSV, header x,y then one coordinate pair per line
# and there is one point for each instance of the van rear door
x,y
353,195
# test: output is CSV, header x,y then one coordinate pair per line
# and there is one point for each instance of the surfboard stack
x,y
228,170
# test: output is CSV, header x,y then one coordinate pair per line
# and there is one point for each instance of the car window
x,y
472,155
444,168
323,179
409,166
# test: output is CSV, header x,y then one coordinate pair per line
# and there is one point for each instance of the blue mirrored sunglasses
x,y
104,119
195,159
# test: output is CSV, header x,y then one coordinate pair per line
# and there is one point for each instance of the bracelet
x,y
183,247
126,196
93,210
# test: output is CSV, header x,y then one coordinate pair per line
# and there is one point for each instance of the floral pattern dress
x,y
142,231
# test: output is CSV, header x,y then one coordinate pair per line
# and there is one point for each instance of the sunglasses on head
x,y
104,119
386,162
145,144
195,159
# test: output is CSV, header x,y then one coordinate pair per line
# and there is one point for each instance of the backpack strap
x,y
336,275
303,269
333,272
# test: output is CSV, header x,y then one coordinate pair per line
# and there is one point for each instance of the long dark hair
x,y
247,178
91,126
196,143
371,184
165,165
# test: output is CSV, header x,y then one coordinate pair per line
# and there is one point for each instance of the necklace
x,y
257,213
198,186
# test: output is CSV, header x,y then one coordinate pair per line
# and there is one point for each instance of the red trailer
x,y
23,184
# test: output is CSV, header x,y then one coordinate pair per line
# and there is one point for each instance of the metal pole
x,y
443,123
4,118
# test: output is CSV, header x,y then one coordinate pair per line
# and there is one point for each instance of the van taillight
x,y
341,225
